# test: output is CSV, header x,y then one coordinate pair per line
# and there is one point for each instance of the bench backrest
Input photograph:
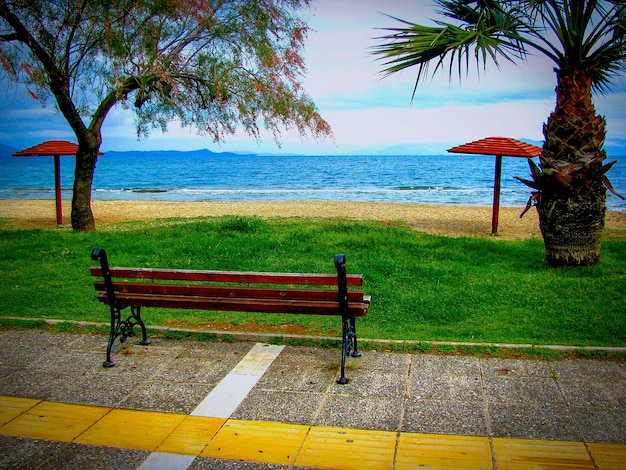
x,y
353,280
260,291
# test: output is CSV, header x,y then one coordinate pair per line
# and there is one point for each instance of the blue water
x,y
175,176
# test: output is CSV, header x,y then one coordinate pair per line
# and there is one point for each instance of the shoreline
x,y
450,220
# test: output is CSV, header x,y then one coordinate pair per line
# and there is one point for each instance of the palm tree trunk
x,y
572,204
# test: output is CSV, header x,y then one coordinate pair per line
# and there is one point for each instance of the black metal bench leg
x,y
124,328
115,321
345,349
355,353
144,335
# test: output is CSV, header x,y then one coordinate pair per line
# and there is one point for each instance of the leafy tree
x,y
586,41
219,65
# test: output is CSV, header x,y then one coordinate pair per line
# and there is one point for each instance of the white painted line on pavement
x,y
222,401
231,391
163,461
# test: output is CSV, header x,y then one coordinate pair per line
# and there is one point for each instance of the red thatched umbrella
x,y
498,146
54,148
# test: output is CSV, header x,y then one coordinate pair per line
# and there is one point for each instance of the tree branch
x,y
9,37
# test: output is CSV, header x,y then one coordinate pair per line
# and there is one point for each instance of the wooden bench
x,y
303,294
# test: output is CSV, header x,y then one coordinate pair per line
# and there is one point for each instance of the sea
x,y
206,176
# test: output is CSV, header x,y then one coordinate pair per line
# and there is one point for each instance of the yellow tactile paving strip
x,y
531,455
440,451
255,441
291,444
338,448
192,436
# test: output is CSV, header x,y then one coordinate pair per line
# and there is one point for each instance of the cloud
x,y
364,109
448,123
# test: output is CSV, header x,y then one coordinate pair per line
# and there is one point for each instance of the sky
x,y
369,114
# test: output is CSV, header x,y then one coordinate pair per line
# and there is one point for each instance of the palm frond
x,y
418,46
588,36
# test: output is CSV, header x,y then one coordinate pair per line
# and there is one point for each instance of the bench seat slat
x,y
239,305
228,276
229,291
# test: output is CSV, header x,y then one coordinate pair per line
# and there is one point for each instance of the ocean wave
x,y
414,195
423,188
188,177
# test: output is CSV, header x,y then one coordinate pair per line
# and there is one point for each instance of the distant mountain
x,y
614,148
174,153
7,150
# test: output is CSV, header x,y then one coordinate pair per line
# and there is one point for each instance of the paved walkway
x,y
200,405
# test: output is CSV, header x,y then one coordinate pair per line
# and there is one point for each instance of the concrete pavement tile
x,y
577,369
372,383
19,453
360,412
153,355
132,360
41,385
5,371
427,365
21,348
104,458
522,390
446,387
77,361
527,421
84,390
66,386
35,454
297,379
385,362
284,406
229,352
307,357
197,370
595,392
515,368
134,371
302,370
37,339
17,357
167,396
601,425
90,342
158,347
445,417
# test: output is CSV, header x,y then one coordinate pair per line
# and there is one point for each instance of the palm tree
x,y
586,41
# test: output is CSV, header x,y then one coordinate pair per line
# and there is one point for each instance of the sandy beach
x,y
441,220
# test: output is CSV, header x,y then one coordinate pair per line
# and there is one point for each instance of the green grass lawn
x,y
423,287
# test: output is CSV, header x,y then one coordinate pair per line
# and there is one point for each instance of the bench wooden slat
x,y
229,291
238,305
229,276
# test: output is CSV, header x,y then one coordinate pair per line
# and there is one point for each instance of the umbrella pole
x,y
57,189
496,196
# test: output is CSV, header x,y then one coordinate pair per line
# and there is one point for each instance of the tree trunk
x,y
572,203
572,229
82,216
